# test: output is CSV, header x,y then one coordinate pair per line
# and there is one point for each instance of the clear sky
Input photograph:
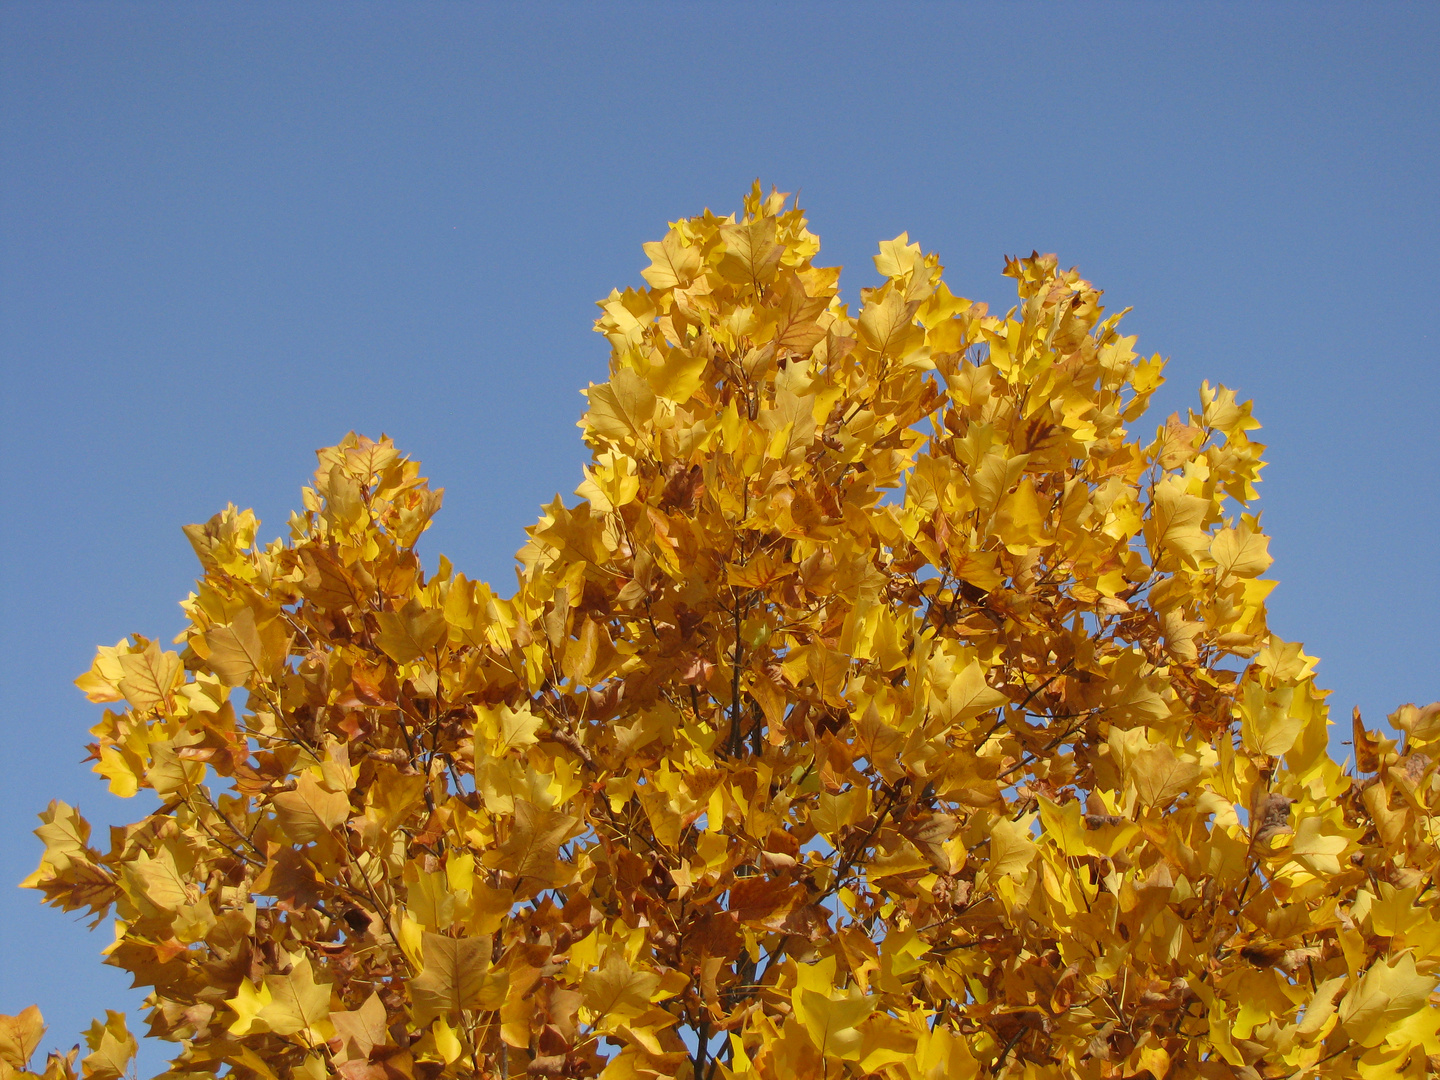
x,y
231,233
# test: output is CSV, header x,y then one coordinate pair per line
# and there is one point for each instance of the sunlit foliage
x,y
885,706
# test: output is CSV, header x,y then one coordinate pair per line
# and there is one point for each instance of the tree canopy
x,y
883,707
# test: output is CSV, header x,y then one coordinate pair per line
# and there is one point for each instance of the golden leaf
x,y
1268,724
677,374
236,652
410,633
456,975
833,1023
1177,523
969,696
311,811
672,263
360,1030
1011,848
149,676
1388,992
751,254
20,1035
615,991
297,1001
1160,775
111,1049
533,847
620,409
1241,552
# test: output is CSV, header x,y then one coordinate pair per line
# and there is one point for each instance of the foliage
x,y
883,709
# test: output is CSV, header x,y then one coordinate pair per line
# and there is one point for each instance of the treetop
x,y
883,706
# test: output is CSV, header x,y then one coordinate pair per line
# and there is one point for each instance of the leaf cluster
x,y
883,707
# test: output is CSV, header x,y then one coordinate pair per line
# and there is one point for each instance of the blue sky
x,y
231,233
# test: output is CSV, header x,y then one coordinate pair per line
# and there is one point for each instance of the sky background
x,y
229,234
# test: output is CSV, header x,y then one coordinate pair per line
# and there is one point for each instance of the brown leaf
x,y
683,489
764,901
1270,818
1367,746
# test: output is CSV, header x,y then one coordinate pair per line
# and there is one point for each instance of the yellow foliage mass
x,y
884,707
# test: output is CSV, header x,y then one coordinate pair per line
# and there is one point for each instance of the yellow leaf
x,y
1395,911
751,255
993,476
360,1030
1011,848
456,975
1386,994
969,696
310,811
102,682
446,1041
833,812
1267,724
1176,523
833,1023
828,669
898,257
157,880
1221,411
1241,552
254,1062
504,728
533,848
616,991
1316,850
760,571
236,652
20,1035
675,374
1155,1060
1020,519
247,1004
580,653
111,1048
620,409
149,676
410,633
297,1001
1064,825
886,325
672,262
942,1055
1160,775
1321,1007
976,567
116,768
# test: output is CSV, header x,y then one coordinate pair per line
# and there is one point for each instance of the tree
x,y
882,709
